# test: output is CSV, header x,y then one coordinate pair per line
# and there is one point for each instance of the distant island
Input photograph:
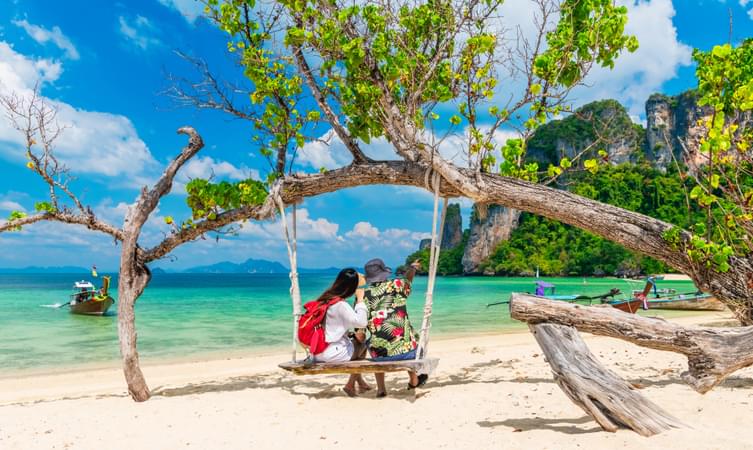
x,y
37,269
260,266
251,265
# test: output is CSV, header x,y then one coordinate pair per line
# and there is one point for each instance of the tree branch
x,y
294,188
713,353
334,121
88,220
148,200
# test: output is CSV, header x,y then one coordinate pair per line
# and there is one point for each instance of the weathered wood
x,y
134,275
713,353
602,394
426,366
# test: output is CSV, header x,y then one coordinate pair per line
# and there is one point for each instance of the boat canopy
x,y
83,285
544,284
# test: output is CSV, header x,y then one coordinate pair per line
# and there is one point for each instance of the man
x,y
392,335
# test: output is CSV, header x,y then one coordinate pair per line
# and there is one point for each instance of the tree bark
x,y
632,230
602,394
713,353
134,274
133,278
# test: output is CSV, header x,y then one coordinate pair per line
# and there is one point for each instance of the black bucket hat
x,y
376,271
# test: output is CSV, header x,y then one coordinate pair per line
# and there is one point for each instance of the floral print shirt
x,y
390,328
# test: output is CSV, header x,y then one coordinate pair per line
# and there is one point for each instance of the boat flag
x,y
94,271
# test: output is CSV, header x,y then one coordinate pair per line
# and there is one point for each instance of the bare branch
x,y
342,133
89,220
148,200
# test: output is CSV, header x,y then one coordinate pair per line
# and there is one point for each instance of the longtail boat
x,y
632,305
546,290
670,299
697,301
629,306
89,301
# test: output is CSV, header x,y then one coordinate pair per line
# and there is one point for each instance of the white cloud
x,y
366,236
330,153
189,9
140,32
638,75
363,229
9,205
635,75
206,167
43,35
92,142
308,228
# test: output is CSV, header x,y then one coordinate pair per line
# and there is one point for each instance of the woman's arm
x,y
353,318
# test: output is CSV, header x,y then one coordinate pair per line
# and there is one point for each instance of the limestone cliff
x,y
672,130
486,234
605,121
453,227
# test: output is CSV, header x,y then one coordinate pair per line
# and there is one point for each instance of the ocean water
x,y
185,315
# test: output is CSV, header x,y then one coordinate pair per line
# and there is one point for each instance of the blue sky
x,y
104,65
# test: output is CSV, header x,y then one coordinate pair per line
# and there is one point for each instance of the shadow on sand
x,y
540,423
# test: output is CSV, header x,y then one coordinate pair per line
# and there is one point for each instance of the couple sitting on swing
x,y
380,307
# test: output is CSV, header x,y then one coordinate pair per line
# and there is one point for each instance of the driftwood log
x,y
602,394
713,353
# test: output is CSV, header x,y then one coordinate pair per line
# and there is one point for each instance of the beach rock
x,y
486,234
672,129
425,243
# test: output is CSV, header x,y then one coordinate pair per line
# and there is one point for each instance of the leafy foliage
x,y
558,249
724,182
16,215
206,199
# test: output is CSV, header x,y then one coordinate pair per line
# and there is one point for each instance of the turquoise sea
x,y
183,316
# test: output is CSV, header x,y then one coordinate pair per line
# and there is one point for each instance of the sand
x,y
492,391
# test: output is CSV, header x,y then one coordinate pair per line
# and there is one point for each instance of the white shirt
x,y
340,318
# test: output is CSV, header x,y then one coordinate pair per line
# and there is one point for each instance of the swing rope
x,y
292,246
436,243
291,243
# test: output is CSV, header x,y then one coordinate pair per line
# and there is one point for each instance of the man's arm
x,y
410,272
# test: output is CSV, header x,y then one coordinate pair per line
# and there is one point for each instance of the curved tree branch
x,y
294,188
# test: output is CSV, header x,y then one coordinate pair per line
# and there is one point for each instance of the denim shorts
x,y
401,357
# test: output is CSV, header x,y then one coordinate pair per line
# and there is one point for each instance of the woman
x,y
340,319
392,335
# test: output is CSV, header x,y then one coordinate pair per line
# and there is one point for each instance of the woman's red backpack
x,y
311,325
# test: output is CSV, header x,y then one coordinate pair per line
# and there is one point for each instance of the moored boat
x,y
547,290
629,306
687,302
89,301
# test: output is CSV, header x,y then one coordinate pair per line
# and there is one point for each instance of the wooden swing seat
x,y
426,365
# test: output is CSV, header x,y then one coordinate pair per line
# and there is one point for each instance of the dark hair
x,y
344,286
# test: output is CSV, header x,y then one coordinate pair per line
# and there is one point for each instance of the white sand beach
x,y
492,391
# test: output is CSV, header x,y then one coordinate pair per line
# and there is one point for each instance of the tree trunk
x,y
602,394
713,353
132,281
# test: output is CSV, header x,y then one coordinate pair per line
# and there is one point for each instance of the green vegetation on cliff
x,y
605,121
558,249
449,260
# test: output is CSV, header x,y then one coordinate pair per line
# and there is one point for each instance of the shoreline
x,y
488,392
514,327
50,384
